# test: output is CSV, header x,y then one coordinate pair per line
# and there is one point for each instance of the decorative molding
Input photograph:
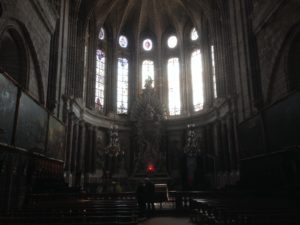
x,y
77,107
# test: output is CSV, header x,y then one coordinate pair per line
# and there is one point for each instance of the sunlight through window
x,y
100,79
174,86
197,80
122,86
213,70
172,42
147,71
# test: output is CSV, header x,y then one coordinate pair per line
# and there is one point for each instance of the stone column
x,y
231,142
225,152
207,72
69,146
62,56
74,150
82,153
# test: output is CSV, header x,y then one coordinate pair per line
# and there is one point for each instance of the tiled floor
x,y
167,221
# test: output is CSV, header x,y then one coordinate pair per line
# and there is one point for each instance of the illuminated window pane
x,y
147,45
197,80
123,42
172,42
122,86
101,34
100,79
147,71
212,48
194,34
174,86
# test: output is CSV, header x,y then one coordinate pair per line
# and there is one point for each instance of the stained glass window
x,y
147,45
123,42
212,49
174,86
100,79
197,80
122,86
147,71
194,34
172,42
101,35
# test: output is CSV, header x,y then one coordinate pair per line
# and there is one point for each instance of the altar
x,y
147,116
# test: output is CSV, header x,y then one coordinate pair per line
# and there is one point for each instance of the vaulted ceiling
x,y
149,16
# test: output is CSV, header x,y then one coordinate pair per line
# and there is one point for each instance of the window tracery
x,y
174,87
147,72
122,86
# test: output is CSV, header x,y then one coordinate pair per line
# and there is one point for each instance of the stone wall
x,y
36,30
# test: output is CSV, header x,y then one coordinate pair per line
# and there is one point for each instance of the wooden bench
x,y
75,211
244,211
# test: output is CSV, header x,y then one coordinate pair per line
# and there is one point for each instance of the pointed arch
x,y
285,54
23,41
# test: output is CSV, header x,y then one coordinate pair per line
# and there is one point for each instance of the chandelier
x,y
113,149
192,147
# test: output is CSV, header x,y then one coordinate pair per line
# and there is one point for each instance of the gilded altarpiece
x,y
147,116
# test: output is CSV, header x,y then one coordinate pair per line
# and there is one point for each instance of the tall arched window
x,y
100,79
212,49
194,34
174,86
101,35
147,72
197,80
122,86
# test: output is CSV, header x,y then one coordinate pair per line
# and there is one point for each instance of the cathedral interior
x,y
200,95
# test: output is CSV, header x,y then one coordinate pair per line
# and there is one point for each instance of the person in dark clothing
x,y
140,197
149,193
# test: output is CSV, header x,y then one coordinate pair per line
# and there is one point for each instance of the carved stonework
x,y
147,115
193,141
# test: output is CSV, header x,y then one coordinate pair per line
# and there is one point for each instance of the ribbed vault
x,y
150,16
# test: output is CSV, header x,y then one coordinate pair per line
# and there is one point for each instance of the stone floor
x,y
167,221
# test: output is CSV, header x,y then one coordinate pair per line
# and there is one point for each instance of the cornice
x,y
205,117
94,118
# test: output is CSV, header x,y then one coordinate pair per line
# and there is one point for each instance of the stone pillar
x,y
188,85
62,56
220,73
183,79
82,153
74,156
207,72
231,142
91,65
69,146
225,149
94,150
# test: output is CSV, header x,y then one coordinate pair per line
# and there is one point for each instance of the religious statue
x,y
148,83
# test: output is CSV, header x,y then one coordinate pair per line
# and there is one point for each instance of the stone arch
x,y
287,54
14,56
16,34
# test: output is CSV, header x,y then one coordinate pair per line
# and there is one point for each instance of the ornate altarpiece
x,y
147,116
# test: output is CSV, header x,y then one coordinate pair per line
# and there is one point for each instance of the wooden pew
x,y
75,211
244,211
